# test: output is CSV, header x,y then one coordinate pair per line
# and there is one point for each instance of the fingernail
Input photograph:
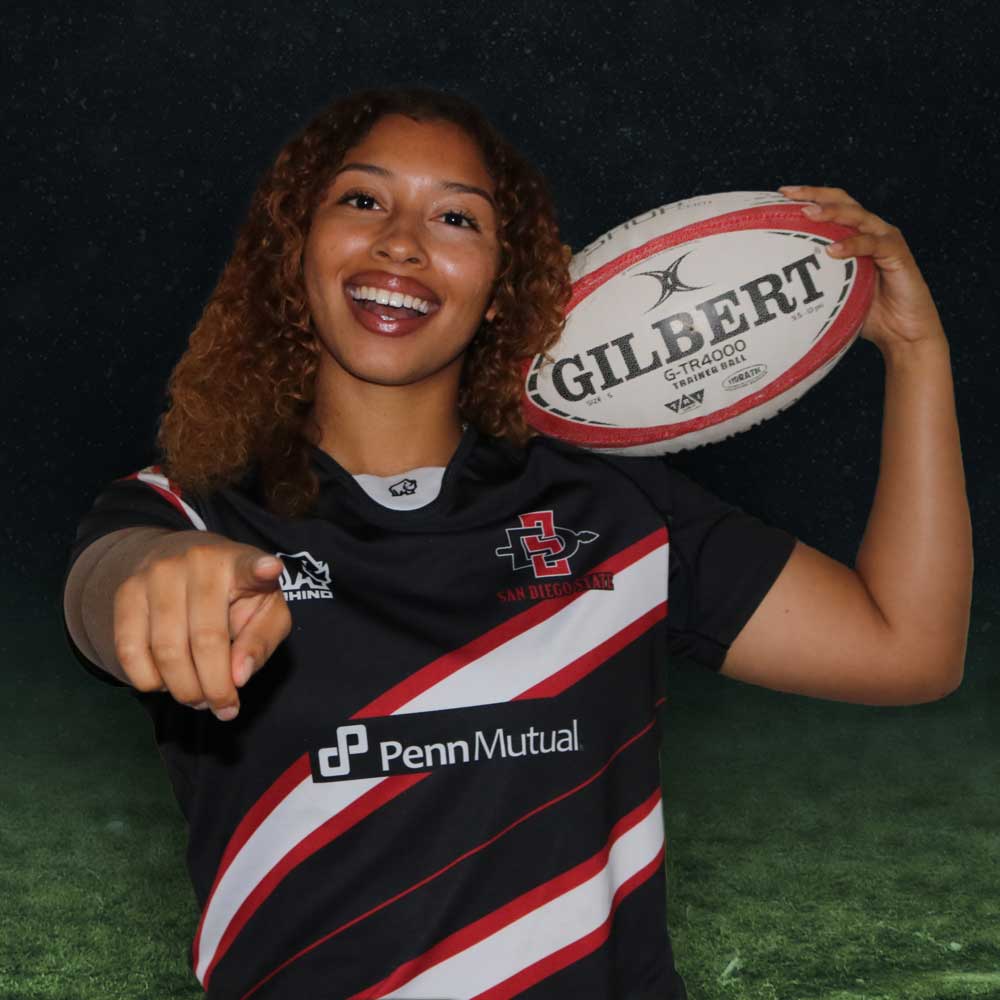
x,y
834,248
243,671
201,705
266,563
812,209
228,713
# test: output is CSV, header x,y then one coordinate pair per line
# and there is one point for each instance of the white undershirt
x,y
406,490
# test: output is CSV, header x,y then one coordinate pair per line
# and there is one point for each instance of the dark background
x,y
135,134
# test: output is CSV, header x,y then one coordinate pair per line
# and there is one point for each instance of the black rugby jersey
x,y
445,783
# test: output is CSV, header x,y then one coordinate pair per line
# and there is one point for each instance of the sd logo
x,y
540,545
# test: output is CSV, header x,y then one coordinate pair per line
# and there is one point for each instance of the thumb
x,y
266,627
257,572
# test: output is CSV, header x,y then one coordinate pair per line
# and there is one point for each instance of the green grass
x,y
96,901
814,850
833,851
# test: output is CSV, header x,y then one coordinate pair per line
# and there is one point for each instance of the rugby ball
x,y
695,321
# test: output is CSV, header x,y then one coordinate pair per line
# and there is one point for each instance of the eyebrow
x,y
371,168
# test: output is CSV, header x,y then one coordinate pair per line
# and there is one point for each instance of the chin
x,y
390,379
395,372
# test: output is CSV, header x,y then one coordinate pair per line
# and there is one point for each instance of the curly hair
x,y
241,395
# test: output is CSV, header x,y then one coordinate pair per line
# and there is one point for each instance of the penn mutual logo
x,y
335,762
305,577
358,753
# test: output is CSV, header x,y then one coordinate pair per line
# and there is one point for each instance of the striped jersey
x,y
445,783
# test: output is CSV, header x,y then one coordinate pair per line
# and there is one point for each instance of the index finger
x,y
208,631
806,192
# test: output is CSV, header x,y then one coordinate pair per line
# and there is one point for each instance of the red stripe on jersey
x,y
171,498
462,857
425,678
583,665
490,924
564,957
259,811
399,696
172,493
320,837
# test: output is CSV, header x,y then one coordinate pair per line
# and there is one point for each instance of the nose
x,y
399,241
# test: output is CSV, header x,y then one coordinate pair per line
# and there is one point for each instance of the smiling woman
x,y
412,192
405,660
409,231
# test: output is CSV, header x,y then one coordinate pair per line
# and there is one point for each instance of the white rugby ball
x,y
695,321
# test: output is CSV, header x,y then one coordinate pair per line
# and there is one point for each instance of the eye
x,y
465,221
361,197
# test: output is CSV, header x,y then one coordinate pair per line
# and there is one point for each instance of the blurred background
x,y
814,849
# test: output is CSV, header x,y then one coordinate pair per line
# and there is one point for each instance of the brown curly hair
x,y
241,395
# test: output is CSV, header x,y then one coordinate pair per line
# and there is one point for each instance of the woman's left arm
x,y
891,631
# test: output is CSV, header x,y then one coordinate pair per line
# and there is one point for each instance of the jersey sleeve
x,y
723,561
144,499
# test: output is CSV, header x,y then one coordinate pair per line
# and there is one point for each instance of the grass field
x,y
814,850
831,851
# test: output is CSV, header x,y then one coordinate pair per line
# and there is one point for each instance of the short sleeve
x,y
723,562
144,499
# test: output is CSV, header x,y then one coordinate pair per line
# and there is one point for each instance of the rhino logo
x,y
404,488
304,576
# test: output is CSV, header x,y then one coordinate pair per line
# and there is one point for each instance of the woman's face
x,y
408,216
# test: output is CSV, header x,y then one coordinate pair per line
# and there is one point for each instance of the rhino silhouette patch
x,y
404,488
304,576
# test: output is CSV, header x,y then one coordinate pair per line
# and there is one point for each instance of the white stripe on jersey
x,y
160,483
530,657
308,805
545,929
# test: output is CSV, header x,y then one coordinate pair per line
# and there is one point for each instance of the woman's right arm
x,y
188,612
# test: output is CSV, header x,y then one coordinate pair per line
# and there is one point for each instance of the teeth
x,y
387,298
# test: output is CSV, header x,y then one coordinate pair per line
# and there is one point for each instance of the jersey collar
x,y
337,487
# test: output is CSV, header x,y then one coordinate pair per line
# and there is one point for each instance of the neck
x,y
383,430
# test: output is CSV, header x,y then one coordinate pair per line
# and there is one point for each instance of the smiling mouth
x,y
389,305
384,317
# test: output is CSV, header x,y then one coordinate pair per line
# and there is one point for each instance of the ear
x,y
491,312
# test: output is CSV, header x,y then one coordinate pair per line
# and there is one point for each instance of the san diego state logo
x,y
305,577
542,546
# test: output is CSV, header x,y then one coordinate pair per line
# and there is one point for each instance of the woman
x,y
409,770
